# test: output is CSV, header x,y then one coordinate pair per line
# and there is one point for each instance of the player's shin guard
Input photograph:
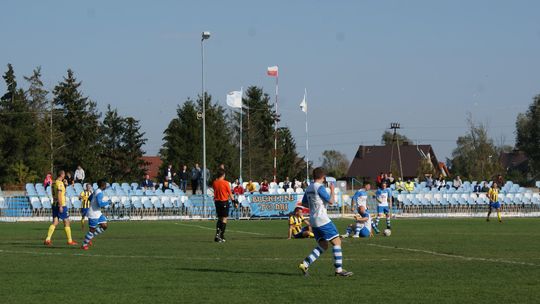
x,y
338,258
88,237
68,234
313,256
50,232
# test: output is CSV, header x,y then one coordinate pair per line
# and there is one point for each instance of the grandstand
x,y
130,202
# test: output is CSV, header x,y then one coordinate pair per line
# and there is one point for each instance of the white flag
x,y
234,99
303,104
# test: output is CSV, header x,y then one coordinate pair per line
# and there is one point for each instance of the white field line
x,y
183,258
213,229
455,256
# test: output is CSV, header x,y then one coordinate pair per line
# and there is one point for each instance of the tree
x,y
183,136
133,141
528,134
289,163
78,122
335,163
476,156
19,138
112,153
387,138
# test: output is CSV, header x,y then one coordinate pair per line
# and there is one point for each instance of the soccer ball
x,y
387,232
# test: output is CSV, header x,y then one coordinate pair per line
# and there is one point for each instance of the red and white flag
x,y
272,71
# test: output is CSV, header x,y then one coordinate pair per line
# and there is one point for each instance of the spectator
x,y
69,179
251,187
500,180
184,176
264,186
79,175
238,189
429,181
485,188
400,185
286,184
297,184
440,183
390,179
147,183
457,182
195,177
380,179
477,188
409,186
48,180
168,174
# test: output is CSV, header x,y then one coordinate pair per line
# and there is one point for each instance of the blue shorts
x,y
300,234
326,232
56,213
84,212
383,209
364,232
495,205
93,223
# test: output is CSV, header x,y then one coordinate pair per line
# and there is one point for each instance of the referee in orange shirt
x,y
222,195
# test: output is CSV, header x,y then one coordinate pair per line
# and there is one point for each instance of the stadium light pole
x,y
204,36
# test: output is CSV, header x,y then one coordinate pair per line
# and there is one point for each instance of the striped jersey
x,y
296,222
85,199
58,199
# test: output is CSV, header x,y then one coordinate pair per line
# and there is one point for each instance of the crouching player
x,y
97,222
362,226
295,225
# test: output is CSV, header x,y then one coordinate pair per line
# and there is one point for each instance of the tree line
x,y
42,131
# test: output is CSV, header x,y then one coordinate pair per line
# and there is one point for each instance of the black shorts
x,y
222,208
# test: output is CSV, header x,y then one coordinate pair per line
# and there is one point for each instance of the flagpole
x,y
276,129
241,127
307,139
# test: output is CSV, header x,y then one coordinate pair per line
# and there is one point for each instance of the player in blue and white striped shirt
x,y
316,198
97,222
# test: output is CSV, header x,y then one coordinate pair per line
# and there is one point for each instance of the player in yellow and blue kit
x,y
85,203
493,195
97,222
296,220
59,210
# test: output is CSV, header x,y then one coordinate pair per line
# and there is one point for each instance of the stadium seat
x,y
76,203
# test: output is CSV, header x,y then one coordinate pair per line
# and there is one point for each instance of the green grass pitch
x,y
424,261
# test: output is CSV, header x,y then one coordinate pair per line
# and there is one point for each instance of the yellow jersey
x,y
493,195
58,200
296,222
85,195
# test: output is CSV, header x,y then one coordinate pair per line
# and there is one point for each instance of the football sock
x,y
314,255
489,213
68,234
50,232
98,231
338,258
218,228
356,230
88,237
377,221
499,215
349,230
374,227
388,224
82,223
223,227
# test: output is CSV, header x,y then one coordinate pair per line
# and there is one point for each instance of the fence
x,y
24,208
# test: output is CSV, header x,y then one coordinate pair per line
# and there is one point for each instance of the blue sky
x,y
425,64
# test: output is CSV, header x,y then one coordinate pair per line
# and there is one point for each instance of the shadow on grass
x,y
239,271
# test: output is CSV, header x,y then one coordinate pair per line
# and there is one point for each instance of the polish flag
x,y
272,71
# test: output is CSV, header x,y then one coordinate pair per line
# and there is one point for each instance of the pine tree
x,y
112,152
19,139
289,164
132,142
77,143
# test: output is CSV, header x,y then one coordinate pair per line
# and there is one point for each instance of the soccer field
x,y
425,260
